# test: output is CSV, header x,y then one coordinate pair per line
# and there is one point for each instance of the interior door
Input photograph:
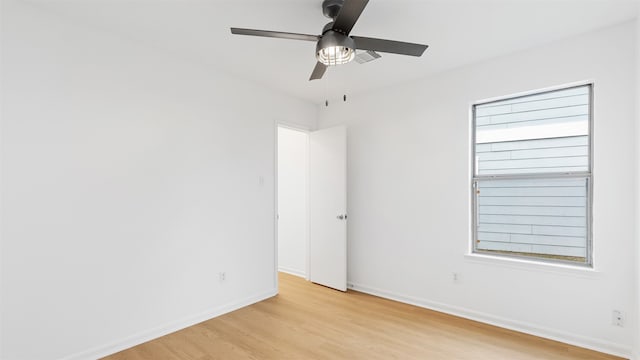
x,y
327,207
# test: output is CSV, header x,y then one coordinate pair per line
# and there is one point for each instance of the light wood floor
x,y
308,321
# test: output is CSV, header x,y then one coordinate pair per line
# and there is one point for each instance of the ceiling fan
x,y
335,46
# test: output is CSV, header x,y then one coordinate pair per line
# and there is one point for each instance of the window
x,y
532,180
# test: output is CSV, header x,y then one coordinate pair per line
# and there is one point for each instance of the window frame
x,y
588,175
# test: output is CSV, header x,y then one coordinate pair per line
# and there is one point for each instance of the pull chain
x,y
326,92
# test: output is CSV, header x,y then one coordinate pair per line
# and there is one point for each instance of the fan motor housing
x,y
332,38
327,27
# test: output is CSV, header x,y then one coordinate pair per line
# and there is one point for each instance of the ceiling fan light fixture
x,y
335,55
334,46
335,49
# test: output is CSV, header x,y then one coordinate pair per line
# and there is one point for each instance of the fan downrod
x,y
331,8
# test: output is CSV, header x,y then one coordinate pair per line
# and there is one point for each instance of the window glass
x,y
532,176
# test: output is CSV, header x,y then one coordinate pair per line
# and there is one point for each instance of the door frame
x,y
306,130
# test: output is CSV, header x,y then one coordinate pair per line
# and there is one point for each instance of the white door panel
x,y
327,207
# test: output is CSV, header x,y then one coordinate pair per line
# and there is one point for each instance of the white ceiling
x,y
458,32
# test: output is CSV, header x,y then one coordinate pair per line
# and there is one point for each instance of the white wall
x,y
409,195
293,159
637,335
129,181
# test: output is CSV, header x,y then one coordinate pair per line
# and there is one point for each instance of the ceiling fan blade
x,y
348,15
318,71
274,34
389,46
367,56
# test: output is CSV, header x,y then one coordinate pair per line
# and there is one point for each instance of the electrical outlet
x,y
455,277
222,276
617,318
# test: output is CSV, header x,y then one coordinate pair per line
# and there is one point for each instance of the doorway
x,y
311,205
293,208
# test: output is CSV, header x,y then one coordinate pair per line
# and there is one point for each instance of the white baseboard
x,y
144,336
561,336
291,271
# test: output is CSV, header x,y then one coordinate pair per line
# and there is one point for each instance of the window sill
x,y
535,266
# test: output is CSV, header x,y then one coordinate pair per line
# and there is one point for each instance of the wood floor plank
x,y
308,321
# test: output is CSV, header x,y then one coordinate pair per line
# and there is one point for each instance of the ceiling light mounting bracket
x,y
331,8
